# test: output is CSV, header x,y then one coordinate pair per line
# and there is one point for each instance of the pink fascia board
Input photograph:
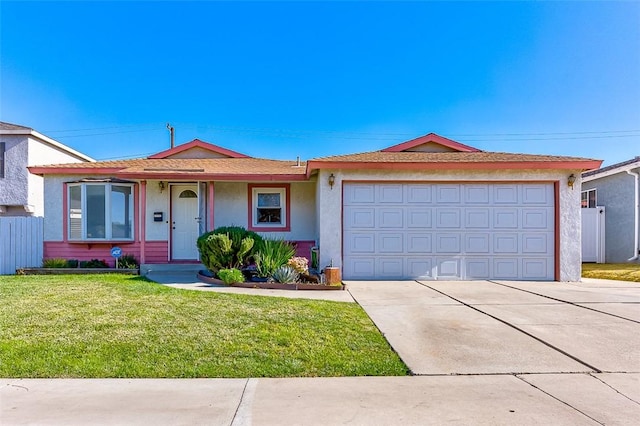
x,y
431,137
200,144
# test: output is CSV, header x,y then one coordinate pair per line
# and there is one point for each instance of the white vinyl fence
x,y
593,234
20,243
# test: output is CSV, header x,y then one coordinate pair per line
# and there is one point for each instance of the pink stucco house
x,y
428,208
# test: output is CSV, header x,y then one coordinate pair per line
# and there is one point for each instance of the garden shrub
x,y
55,262
128,261
94,263
285,274
272,254
231,276
227,247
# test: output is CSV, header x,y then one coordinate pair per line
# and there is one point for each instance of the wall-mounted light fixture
x,y
161,186
571,180
332,180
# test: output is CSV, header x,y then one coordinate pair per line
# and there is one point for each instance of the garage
x,y
448,230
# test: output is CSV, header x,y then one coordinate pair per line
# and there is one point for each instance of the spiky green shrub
x,y
55,262
285,274
227,247
272,254
231,276
128,261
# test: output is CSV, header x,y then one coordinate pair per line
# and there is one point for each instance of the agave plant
x,y
285,274
271,254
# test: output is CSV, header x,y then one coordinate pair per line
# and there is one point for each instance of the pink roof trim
x,y
200,144
431,137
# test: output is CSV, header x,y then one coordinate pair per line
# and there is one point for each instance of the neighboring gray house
x,y
22,193
616,189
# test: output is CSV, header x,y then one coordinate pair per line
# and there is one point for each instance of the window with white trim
x,y
269,207
100,211
588,199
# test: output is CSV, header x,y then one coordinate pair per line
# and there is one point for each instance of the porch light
x,y
332,180
571,180
161,186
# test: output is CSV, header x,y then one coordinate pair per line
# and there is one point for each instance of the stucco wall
x,y
329,207
53,214
14,186
615,193
231,208
157,202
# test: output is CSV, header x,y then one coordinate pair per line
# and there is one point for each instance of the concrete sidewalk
x,y
569,399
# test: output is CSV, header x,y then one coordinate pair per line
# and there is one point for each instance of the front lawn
x,y
124,326
612,271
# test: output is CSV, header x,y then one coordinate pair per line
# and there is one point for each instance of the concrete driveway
x,y
500,327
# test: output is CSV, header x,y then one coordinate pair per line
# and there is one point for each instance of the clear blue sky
x,y
312,79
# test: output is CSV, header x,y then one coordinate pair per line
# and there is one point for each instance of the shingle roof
x,y
444,157
612,167
174,167
9,126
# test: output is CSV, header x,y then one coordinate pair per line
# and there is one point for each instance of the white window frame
x,y
107,214
283,207
587,191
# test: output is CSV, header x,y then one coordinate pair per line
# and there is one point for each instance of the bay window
x,y
100,211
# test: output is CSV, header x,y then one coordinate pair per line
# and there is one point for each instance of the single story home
x,y
428,208
614,190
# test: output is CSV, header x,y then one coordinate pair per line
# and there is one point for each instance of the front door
x,y
185,221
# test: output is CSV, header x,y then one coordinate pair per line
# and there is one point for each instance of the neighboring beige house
x,y
429,208
22,193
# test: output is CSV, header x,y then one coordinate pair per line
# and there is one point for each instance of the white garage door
x,y
448,231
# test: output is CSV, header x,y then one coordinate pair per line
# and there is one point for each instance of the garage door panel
x,y
448,194
359,194
506,218
477,243
360,217
390,243
505,194
419,217
447,243
536,269
390,218
477,218
536,243
505,243
390,267
419,242
537,218
357,267
390,193
419,194
448,218
449,231
505,268
479,269
537,194
420,267
359,242
448,268
476,194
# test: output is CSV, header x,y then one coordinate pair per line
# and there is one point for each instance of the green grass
x,y
612,271
123,326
